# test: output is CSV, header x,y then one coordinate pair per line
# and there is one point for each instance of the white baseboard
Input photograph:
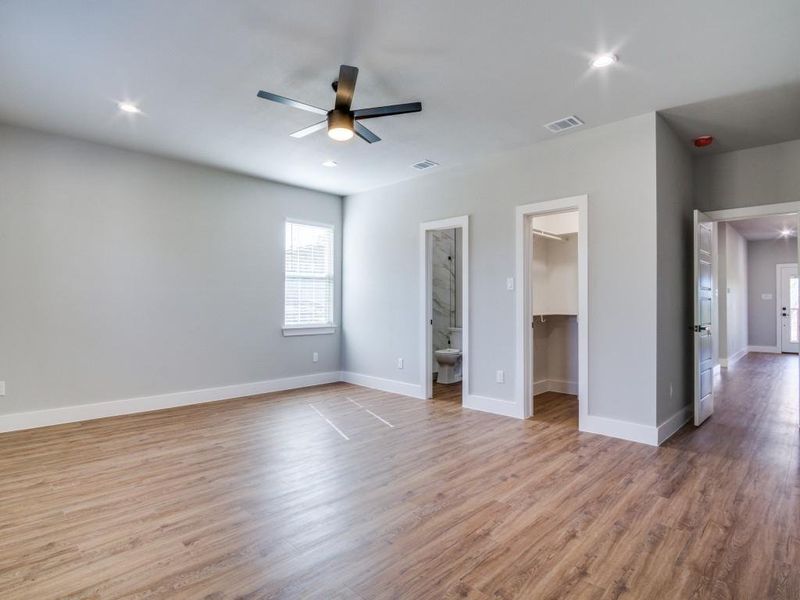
x,y
385,385
727,362
555,385
496,406
766,349
626,430
669,427
113,408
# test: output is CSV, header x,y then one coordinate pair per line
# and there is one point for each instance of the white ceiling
x,y
766,228
489,75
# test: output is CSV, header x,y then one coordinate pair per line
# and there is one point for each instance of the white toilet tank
x,y
455,337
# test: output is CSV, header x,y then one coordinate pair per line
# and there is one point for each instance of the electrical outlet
x,y
399,363
315,357
500,377
2,388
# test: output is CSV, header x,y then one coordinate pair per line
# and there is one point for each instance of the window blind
x,y
308,299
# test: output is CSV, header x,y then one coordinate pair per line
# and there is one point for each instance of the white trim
x,y
113,408
625,430
738,355
555,385
717,368
496,406
764,349
748,212
425,305
524,345
296,330
671,426
385,385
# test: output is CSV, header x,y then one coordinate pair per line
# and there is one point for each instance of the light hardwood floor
x,y
262,498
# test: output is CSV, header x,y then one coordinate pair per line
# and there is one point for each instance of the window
x,y
308,296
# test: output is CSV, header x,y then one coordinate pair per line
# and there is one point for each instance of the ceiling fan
x,y
342,122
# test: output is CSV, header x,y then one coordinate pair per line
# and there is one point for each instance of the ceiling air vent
x,y
425,164
563,124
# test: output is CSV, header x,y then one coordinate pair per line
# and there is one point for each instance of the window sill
x,y
292,331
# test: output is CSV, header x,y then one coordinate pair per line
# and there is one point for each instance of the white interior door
x,y
788,308
703,311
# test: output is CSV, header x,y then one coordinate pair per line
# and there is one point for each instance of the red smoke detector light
x,y
703,141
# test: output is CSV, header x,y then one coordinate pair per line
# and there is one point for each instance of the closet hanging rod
x,y
551,236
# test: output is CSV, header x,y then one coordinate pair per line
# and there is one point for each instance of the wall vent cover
x,y
424,164
560,125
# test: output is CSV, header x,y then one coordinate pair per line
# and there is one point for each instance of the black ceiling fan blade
x,y
364,133
310,129
346,87
290,102
385,111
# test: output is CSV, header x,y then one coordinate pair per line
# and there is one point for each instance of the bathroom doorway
x,y
445,302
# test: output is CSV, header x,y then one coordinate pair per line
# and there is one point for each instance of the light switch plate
x,y
315,357
501,377
399,363
510,284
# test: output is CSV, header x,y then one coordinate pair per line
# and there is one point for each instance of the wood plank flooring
x,y
263,498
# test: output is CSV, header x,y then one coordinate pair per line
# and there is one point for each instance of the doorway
x,y
747,293
788,307
444,304
554,305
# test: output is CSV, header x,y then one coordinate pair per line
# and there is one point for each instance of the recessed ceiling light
x,y
330,163
129,108
604,60
786,232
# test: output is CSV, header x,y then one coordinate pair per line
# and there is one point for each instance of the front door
x,y
788,308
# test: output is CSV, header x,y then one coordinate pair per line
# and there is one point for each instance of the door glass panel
x,y
794,308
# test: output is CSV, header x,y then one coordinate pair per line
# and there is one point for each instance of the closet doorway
x,y
552,347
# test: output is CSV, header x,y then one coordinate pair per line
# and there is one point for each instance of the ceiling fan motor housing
x,y
340,119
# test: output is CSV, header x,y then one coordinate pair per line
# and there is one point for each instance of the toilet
x,y
449,359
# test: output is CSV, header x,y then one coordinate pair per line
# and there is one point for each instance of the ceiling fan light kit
x,y
340,125
342,122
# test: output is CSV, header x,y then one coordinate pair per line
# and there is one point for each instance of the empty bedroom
x,y
427,300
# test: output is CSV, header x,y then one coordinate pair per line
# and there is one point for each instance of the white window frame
x,y
312,329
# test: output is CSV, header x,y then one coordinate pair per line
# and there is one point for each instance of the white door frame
x,y
778,296
524,331
425,303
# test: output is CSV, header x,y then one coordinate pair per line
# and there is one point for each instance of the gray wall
x,y
555,348
674,266
764,175
125,275
762,258
720,317
735,292
614,164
